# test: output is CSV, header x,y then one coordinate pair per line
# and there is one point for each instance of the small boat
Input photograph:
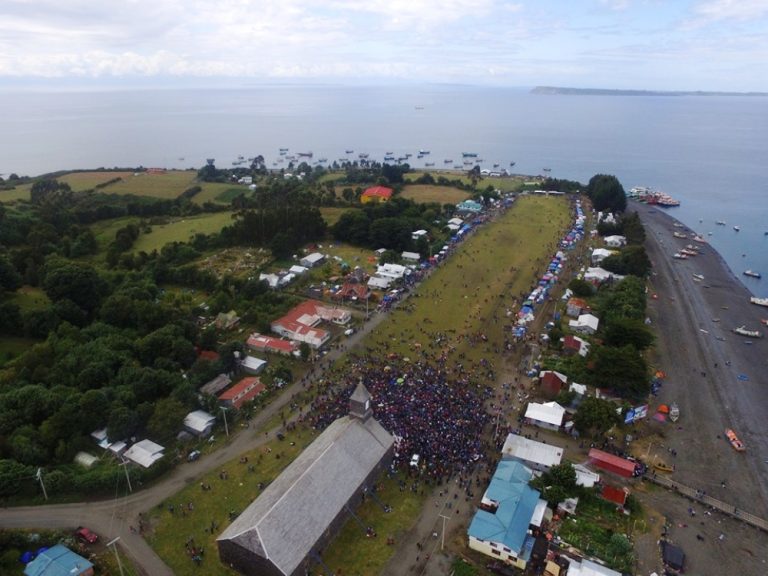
x,y
742,331
447,161
469,154
700,239
689,252
736,228
423,152
737,444
764,321
512,164
674,412
349,151
752,274
679,235
720,222
283,149
662,466
304,154
547,170
362,156
680,256
698,277
759,301
429,164
389,158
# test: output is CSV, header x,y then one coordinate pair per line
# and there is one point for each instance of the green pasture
x,y
425,193
331,215
167,185
469,295
79,181
29,298
506,184
181,230
18,193
105,230
219,193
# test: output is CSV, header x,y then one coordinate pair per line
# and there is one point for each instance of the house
x,y
261,343
617,496
501,528
552,383
574,345
100,436
59,560
353,291
456,222
301,511
586,324
227,321
585,567
379,282
253,365
548,416
300,323
599,275
453,227
615,241
215,386
585,477
613,463
246,180
199,423
144,453
600,254
412,256
297,270
576,306
469,207
419,234
272,279
312,260
376,194
247,389
535,455
393,271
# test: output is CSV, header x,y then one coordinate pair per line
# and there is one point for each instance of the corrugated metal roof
x,y
522,448
58,561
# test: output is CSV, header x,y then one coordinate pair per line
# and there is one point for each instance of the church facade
x,y
287,526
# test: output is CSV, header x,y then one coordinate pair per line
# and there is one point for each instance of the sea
x,y
709,152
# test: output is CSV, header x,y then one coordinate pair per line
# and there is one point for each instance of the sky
x,y
630,44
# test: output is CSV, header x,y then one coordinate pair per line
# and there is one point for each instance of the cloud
x,y
716,10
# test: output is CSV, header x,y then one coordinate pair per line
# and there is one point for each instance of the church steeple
x,y
360,402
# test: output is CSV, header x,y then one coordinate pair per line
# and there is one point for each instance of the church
x,y
285,528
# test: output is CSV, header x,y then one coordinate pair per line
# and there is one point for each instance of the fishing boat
x,y
304,154
689,252
512,164
662,466
737,444
752,274
764,321
423,152
698,277
349,151
388,158
679,235
447,161
362,156
469,154
736,228
742,331
759,301
674,412
429,164
700,239
720,222
680,256
283,150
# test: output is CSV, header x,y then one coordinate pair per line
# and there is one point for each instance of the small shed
x,y
253,365
548,416
412,256
200,423
144,453
552,382
312,260
215,386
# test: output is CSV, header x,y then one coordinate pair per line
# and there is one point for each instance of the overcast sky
x,y
645,44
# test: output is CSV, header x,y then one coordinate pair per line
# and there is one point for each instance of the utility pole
x,y
224,411
114,547
124,464
442,538
40,478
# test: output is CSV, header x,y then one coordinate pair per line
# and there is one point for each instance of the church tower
x,y
360,403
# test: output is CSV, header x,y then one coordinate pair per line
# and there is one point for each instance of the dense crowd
x,y
431,411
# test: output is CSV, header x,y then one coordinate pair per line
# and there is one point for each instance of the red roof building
x,y
300,322
245,390
261,343
552,383
209,355
376,194
612,463
351,290
615,495
575,306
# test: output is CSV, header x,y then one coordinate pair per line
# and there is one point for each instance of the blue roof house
x,y
500,528
59,561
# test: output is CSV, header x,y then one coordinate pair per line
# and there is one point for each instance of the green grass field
x,y
331,215
181,230
30,298
507,184
480,281
87,180
167,185
18,193
217,192
424,193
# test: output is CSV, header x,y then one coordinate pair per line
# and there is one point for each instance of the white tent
x,y
144,453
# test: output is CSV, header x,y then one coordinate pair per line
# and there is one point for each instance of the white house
x,y
597,275
585,324
535,455
456,221
615,241
253,365
199,423
312,260
272,279
585,477
418,234
297,270
144,453
548,416
379,283
600,254
393,271
412,256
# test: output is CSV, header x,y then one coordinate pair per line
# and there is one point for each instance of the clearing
x,y
426,193
181,230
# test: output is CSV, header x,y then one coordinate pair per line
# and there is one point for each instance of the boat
x,y
680,256
742,331
322,160
511,163
759,301
689,252
764,321
547,170
736,228
469,154
662,466
679,235
674,412
698,277
362,155
304,154
700,239
720,222
752,274
429,164
389,158
423,152
447,161
737,444
349,151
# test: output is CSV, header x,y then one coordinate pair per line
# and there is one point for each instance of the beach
x,y
718,380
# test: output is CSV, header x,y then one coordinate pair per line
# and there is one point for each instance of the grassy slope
x,y
424,193
181,230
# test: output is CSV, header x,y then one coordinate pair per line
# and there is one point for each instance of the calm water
x,y
709,152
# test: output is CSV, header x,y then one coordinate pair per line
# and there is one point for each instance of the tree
x,y
632,260
167,419
77,281
304,350
595,416
606,193
621,369
623,331
557,483
282,245
581,288
10,279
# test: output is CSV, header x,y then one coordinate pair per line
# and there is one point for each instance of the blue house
x,y
59,561
501,528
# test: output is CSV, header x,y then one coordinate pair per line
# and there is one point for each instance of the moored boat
x,y
737,444
752,274
469,154
742,331
662,466
680,256
759,301
764,321
679,235
304,154
674,412
720,222
737,228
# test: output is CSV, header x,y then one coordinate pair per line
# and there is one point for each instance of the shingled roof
x,y
292,514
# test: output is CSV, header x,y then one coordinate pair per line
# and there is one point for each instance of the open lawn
x,y
181,230
18,193
87,180
29,298
506,184
167,185
471,292
105,230
424,193
331,215
219,193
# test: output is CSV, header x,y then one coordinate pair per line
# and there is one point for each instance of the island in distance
x,y
562,90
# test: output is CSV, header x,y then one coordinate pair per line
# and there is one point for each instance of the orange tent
x,y
664,409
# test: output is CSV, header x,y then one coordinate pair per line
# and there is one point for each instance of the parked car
x,y
85,535
194,455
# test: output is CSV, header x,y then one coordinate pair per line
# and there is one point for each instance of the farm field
x,y
18,193
331,214
181,230
79,181
425,193
507,184
167,185
219,193
469,295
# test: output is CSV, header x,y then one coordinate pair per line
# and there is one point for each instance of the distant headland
x,y
609,92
